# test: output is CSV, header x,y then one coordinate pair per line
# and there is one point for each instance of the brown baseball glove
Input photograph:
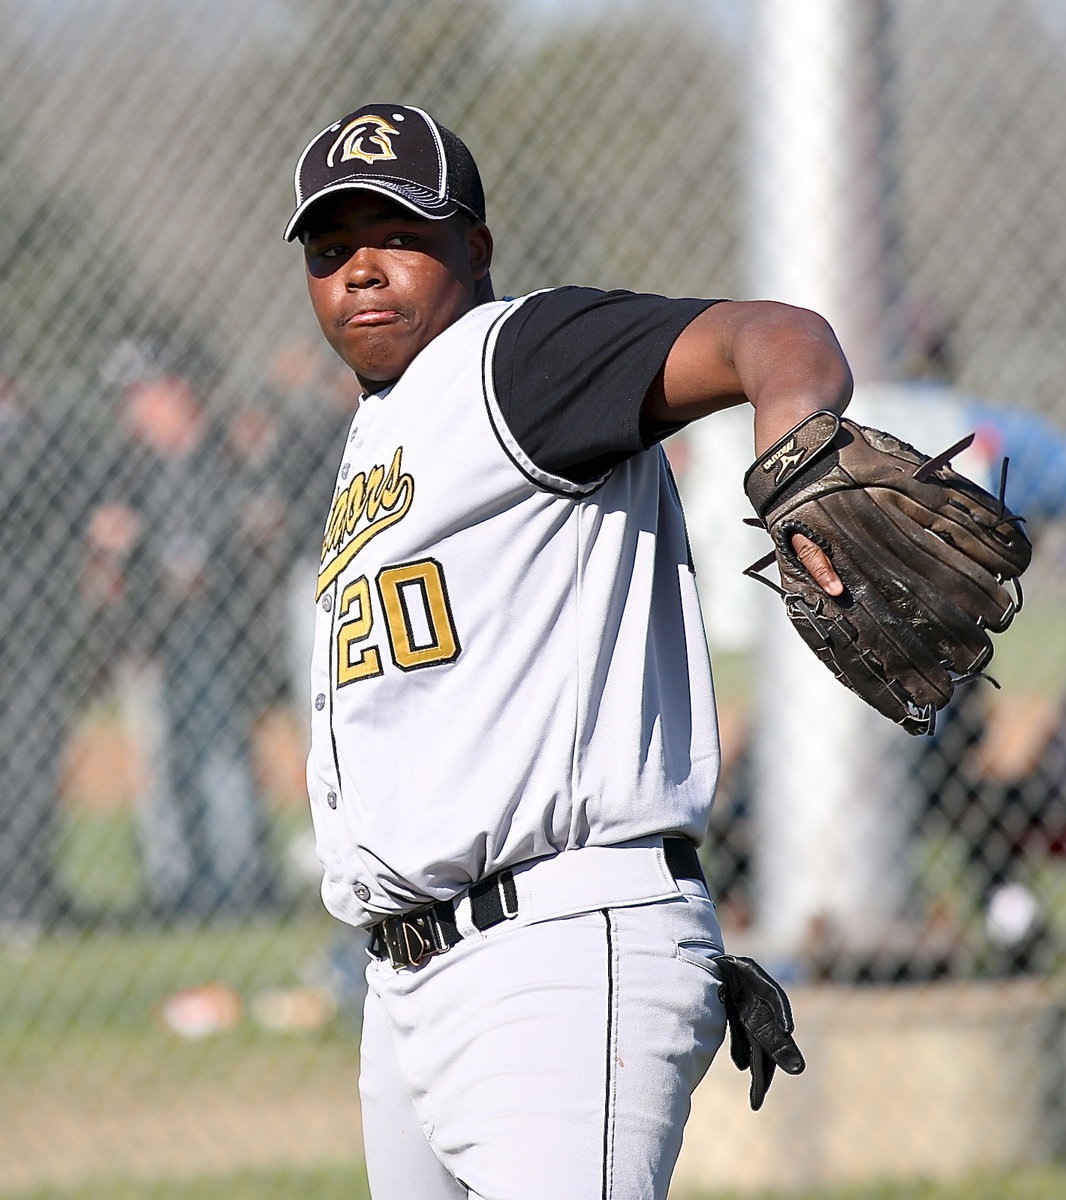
x,y
929,561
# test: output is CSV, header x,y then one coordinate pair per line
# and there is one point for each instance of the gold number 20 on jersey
x,y
419,627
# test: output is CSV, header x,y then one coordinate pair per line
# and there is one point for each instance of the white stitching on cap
x,y
380,176
442,168
363,185
307,150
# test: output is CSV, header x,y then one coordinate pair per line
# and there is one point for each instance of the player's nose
x,y
365,269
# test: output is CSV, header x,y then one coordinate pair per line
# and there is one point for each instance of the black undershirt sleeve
x,y
571,369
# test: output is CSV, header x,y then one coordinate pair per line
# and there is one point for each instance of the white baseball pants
x,y
546,1059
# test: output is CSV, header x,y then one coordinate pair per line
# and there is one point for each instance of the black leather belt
x,y
409,939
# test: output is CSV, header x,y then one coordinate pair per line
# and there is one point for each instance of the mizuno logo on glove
x,y
784,458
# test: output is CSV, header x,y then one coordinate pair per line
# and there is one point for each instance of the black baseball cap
x,y
393,149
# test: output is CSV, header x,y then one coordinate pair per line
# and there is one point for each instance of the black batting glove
x,y
760,1023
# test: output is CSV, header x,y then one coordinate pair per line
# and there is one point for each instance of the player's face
x,y
385,282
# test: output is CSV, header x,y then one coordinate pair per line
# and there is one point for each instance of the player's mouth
x,y
369,317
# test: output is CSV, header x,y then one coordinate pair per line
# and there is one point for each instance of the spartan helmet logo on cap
x,y
368,138
395,150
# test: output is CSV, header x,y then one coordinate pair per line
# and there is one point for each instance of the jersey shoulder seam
x,y
544,480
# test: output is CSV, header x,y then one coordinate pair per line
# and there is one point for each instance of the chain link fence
x,y
173,1001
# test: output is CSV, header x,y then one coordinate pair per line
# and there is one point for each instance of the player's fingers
x,y
762,1072
817,565
785,1053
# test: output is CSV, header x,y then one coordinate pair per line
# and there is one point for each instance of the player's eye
x,y
398,241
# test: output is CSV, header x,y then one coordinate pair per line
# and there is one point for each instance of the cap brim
x,y
435,210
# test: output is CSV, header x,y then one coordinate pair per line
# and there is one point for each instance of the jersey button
x,y
327,602
320,701
362,892
331,799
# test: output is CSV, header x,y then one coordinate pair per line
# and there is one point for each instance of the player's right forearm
x,y
790,365
784,361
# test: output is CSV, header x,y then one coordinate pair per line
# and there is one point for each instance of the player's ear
x,y
479,247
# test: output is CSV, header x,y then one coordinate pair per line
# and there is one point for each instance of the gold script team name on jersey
x,y
374,500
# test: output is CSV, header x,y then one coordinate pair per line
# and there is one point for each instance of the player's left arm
x,y
784,361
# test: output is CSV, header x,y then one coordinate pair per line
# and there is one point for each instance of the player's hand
x,y
817,564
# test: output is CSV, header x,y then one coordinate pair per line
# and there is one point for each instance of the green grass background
x,y
345,1183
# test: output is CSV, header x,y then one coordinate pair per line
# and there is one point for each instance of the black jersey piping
x,y
576,491
675,491
333,665
609,1062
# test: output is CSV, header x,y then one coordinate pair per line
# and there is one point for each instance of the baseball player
x,y
514,746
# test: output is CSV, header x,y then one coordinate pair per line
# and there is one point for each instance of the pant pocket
x,y
700,952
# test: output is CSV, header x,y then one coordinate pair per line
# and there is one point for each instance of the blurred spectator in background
x,y
162,567
999,789
257,555
41,644
1008,814
315,396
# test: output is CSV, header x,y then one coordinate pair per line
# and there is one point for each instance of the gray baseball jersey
x,y
509,657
